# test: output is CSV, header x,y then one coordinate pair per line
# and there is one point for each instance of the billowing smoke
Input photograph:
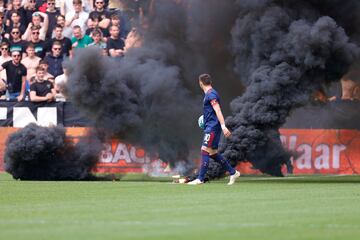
x,y
284,51
45,153
151,96
280,50
139,100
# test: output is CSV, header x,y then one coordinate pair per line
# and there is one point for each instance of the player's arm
x,y
216,106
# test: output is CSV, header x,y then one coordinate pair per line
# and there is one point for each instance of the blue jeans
x,y
13,96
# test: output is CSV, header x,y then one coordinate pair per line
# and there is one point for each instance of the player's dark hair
x,y
205,79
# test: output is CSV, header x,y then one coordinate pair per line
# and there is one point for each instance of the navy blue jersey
x,y
210,119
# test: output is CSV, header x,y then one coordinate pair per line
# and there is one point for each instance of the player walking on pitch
x,y
213,124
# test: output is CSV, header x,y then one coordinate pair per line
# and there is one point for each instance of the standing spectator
x,y
66,45
30,8
52,12
93,24
79,40
15,22
16,43
67,31
66,6
106,3
16,76
77,17
96,35
115,20
31,62
55,60
60,20
47,76
37,42
101,13
4,57
36,21
15,5
115,45
42,90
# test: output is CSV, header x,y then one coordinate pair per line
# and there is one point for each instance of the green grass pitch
x,y
318,207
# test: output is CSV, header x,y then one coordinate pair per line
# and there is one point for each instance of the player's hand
x,y
226,132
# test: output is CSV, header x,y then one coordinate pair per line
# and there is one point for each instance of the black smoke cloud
x,y
281,51
284,51
151,97
46,153
139,100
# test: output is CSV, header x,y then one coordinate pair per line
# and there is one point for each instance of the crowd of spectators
x,y
37,36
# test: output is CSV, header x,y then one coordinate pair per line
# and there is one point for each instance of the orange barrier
x,y
319,151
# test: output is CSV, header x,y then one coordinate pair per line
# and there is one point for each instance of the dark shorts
x,y
211,139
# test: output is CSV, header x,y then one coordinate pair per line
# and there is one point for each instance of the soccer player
x,y
213,124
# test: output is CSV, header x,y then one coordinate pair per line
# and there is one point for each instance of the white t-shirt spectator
x,y
68,6
81,21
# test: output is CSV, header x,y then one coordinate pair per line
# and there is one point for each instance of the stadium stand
x,y
31,27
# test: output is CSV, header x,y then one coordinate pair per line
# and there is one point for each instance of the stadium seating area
x,y
45,33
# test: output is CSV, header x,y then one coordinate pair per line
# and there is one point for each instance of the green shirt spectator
x,y
79,40
82,42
